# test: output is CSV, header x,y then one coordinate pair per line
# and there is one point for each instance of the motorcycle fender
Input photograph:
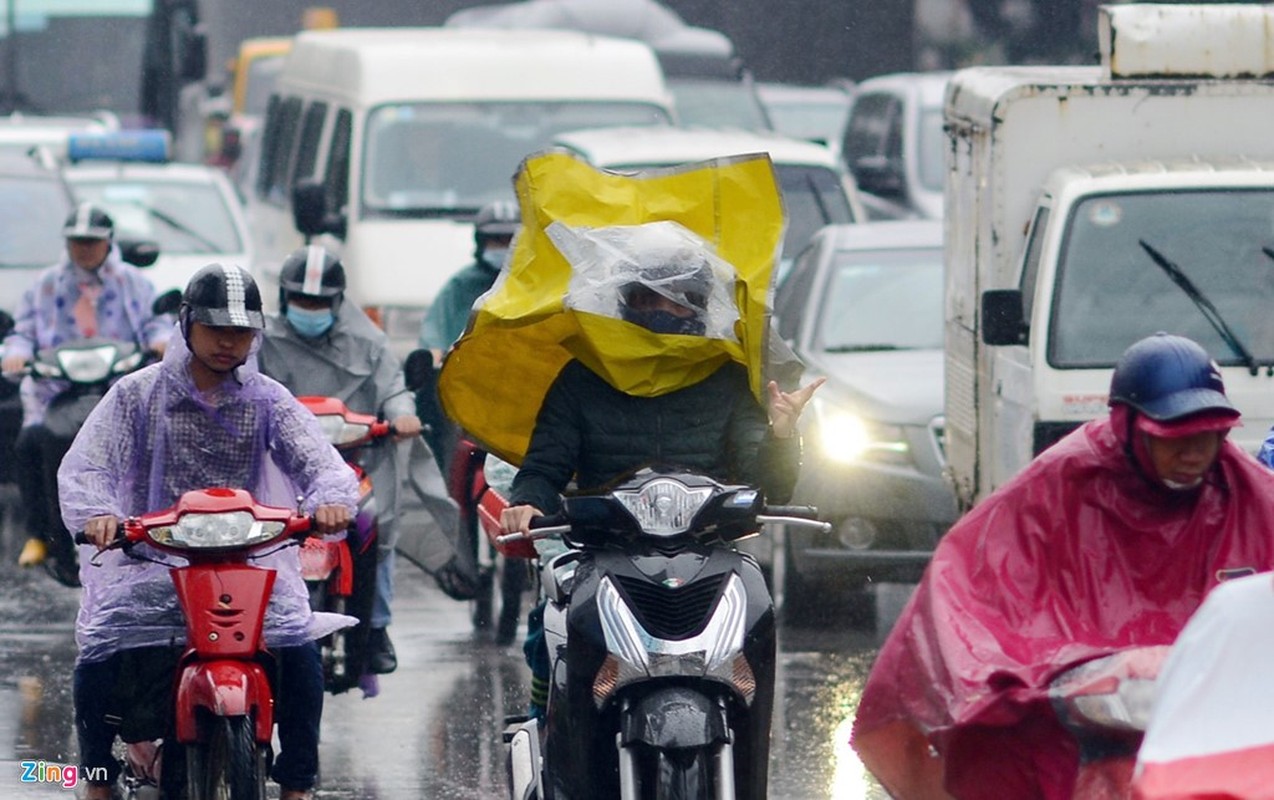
x,y
675,717
225,689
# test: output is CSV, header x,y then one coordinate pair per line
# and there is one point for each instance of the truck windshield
x,y
1110,292
452,158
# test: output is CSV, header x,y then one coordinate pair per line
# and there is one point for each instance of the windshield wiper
x,y
1205,306
863,348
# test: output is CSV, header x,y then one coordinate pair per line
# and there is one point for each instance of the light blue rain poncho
x,y
153,437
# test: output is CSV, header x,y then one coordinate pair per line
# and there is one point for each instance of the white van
x,y
387,141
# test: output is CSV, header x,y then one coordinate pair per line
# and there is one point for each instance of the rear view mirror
x,y
418,370
139,252
309,211
879,175
166,303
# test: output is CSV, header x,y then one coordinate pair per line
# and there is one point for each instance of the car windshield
x,y
718,104
1111,292
882,300
931,144
182,217
453,158
821,121
32,212
813,197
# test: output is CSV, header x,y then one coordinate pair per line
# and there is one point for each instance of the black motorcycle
x,y
661,637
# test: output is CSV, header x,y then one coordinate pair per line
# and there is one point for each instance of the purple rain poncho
x,y
153,437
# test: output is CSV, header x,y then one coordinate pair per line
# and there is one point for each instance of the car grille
x,y
672,613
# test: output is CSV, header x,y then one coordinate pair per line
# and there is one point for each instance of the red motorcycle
x,y
223,698
341,575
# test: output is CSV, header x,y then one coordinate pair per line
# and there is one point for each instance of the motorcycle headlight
x,y
128,363
664,507
339,432
846,437
89,365
210,531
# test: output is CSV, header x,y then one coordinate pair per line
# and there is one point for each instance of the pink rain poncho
x,y
1077,557
153,437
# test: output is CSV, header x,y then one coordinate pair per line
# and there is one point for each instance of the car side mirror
x,y
418,369
167,303
1003,322
194,56
139,252
309,210
879,175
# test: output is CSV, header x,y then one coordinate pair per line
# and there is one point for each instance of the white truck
x,y
1087,207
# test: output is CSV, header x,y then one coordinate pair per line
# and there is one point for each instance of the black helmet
x,y
88,221
312,271
498,220
221,295
1167,378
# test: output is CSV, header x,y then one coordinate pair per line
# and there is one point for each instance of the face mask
x,y
659,321
310,324
495,257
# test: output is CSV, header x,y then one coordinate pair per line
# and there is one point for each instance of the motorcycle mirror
x,y
418,369
139,252
6,323
167,303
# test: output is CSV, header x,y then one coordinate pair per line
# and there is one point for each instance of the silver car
x,y
862,305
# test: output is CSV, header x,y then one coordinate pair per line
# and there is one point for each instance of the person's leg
x,y
92,691
29,475
298,713
61,547
536,652
381,657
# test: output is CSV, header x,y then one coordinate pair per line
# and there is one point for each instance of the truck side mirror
x,y
194,56
309,210
1003,322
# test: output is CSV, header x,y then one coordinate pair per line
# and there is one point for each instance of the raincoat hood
x,y
1075,558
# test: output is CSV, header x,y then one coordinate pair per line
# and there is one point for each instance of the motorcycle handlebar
x,y
808,512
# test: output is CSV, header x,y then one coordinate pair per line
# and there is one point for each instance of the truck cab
x,y
1090,207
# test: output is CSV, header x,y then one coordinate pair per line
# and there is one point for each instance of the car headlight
x,y
199,531
664,507
846,437
339,432
89,365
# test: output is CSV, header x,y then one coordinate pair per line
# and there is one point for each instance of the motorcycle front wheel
x,y
227,764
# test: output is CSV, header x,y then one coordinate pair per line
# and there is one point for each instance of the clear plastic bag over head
x,y
609,265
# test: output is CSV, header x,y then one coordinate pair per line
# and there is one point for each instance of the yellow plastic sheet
x,y
520,335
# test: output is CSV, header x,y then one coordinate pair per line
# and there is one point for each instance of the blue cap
x,y
1169,377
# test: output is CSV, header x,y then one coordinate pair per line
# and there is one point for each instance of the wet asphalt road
x,y
434,730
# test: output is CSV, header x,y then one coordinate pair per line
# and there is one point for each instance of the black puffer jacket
x,y
594,432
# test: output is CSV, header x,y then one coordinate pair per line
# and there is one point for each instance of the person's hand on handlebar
x,y
517,519
13,365
101,531
406,426
331,519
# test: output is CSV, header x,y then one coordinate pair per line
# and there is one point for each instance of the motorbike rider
x,y
91,292
202,417
588,431
320,345
493,230
1109,539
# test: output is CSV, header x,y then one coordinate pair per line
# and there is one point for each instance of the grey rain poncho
x,y
355,365
153,437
